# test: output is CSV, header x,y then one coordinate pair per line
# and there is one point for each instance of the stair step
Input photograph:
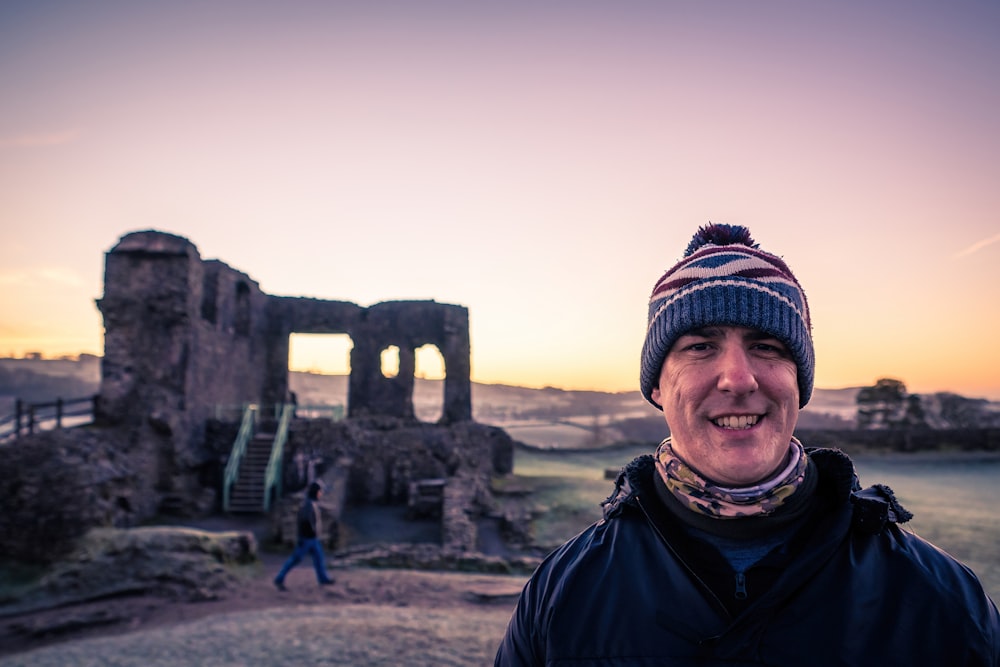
x,y
247,494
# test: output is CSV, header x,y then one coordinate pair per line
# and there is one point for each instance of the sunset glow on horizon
x,y
541,165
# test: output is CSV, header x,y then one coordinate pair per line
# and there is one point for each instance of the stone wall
x,y
185,336
372,460
407,325
387,453
182,336
904,440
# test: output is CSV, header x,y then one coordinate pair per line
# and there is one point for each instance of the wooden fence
x,y
28,418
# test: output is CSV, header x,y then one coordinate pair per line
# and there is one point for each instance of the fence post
x,y
31,419
59,412
18,409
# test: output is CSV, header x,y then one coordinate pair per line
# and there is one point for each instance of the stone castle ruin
x,y
184,336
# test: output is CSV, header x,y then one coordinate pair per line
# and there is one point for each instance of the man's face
x,y
730,396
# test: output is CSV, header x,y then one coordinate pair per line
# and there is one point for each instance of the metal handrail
x,y
273,475
239,449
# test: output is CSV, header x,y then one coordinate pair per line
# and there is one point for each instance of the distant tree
x,y
960,412
888,405
914,416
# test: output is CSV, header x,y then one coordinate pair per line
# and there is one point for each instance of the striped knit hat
x,y
725,280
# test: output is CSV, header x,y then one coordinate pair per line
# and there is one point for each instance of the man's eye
x,y
775,348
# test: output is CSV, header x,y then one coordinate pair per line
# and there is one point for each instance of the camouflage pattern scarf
x,y
704,497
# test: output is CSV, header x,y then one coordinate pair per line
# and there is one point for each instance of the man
x,y
308,531
733,544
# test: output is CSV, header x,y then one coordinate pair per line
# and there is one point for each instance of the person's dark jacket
x,y
857,591
308,520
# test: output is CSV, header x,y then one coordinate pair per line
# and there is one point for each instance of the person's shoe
x,y
280,585
328,582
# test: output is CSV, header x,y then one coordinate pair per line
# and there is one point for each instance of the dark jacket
x,y
307,520
856,590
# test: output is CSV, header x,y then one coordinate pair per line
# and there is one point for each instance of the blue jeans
x,y
309,546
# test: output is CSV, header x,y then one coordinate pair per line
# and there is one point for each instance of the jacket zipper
x,y
694,575
741,586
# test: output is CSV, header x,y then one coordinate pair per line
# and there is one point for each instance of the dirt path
x,y
459,594
381,593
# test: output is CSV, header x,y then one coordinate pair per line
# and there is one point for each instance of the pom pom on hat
x,y
718,234
724,279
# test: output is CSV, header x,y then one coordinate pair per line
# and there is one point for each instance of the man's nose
x,y
736,371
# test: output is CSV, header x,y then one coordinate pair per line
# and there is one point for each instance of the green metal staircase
x,y
254,470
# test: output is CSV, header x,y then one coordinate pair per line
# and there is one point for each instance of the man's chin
x,y
744,468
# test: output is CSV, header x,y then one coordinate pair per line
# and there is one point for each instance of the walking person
x,y
308,531
733,543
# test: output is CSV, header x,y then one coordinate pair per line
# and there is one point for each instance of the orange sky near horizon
x,y
540,164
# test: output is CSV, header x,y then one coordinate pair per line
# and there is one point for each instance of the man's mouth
x,y
736,422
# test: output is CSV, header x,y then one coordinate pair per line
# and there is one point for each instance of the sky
x,y
541,163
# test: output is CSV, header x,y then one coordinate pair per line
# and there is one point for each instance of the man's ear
x,y
655,395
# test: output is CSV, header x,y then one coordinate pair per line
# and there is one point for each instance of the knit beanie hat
x,y
724,279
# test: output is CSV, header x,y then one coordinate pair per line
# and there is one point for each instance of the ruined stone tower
x,y
184,335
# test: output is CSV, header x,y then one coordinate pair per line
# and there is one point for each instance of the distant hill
x,y
541,417
563,418
43,380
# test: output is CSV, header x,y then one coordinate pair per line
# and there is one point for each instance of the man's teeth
x,y
736,421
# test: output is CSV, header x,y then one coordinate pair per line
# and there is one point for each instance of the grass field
x,y
954,501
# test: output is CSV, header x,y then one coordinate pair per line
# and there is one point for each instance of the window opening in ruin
x,y
428,383
209,295
390,361
319,367
241,317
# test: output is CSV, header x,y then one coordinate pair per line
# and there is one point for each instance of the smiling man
x,y
730,396
733,544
